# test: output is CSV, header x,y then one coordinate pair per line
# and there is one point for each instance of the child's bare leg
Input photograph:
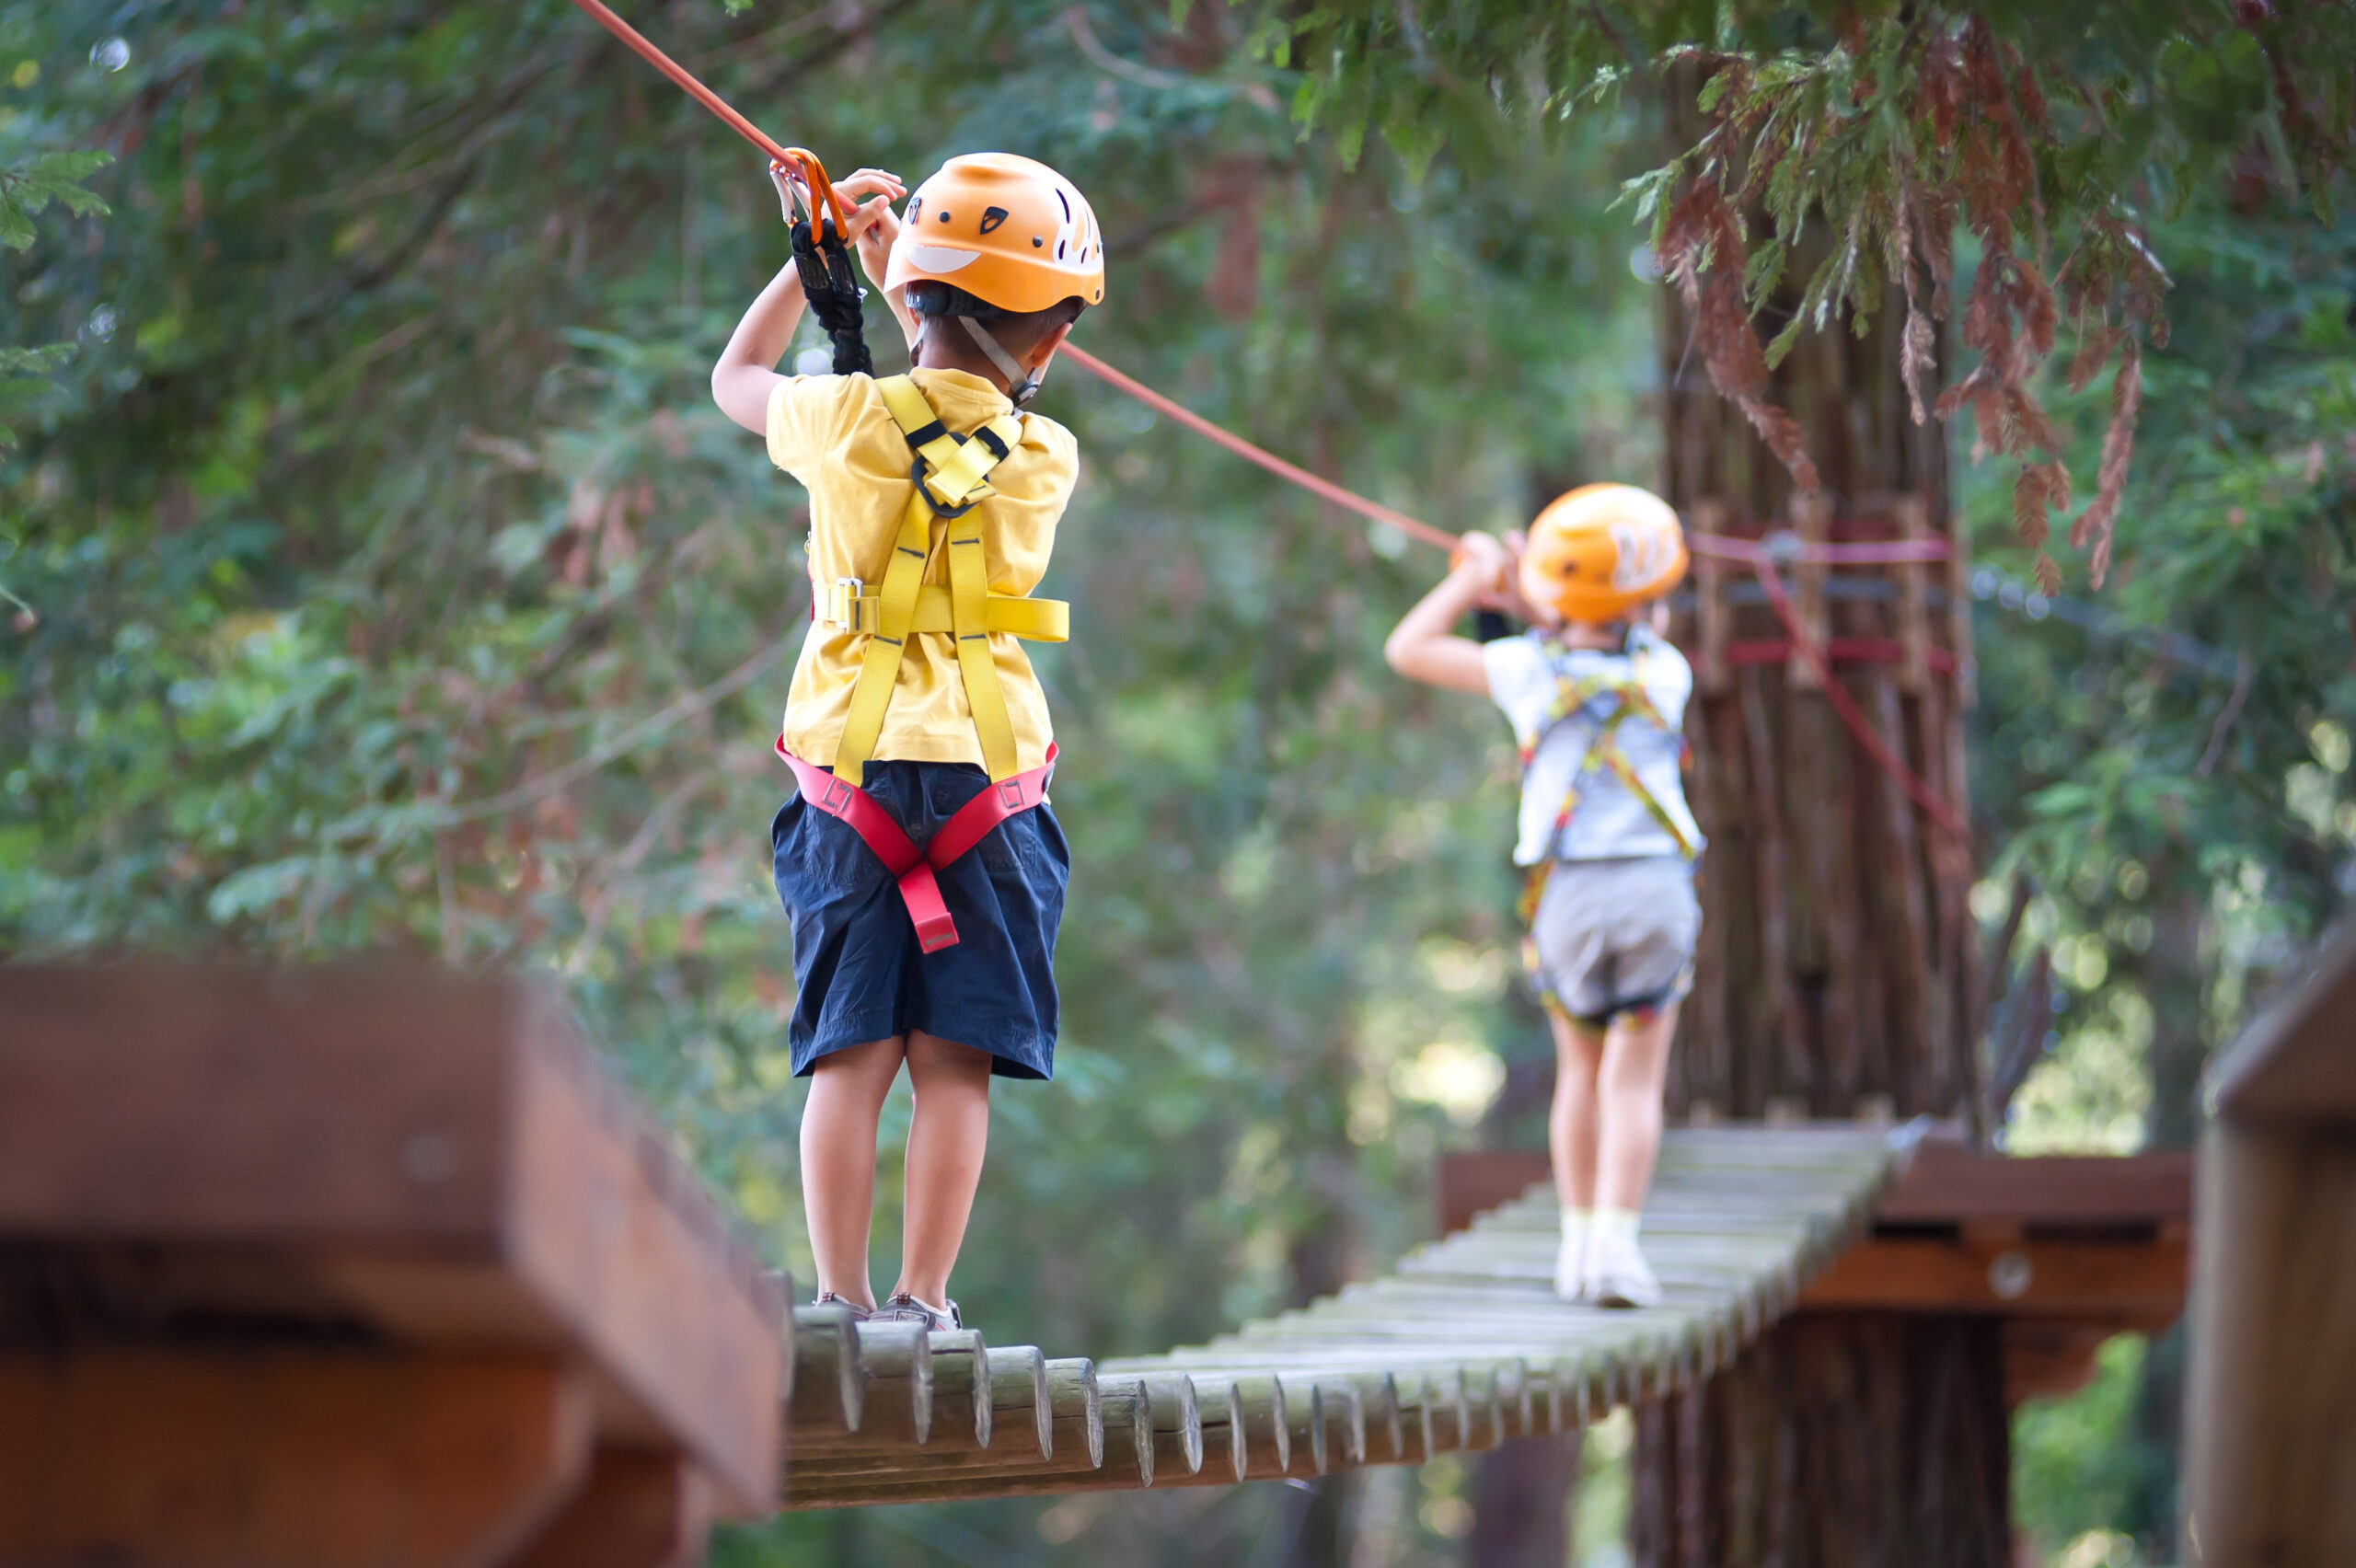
x,y
847,1090
948,1132
1635,1069
1571,1140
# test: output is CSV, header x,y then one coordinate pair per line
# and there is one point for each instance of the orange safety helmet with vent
x,y
1008,230
1600,552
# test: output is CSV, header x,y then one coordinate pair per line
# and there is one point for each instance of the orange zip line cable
x,y
1760,557
1323,488
813,173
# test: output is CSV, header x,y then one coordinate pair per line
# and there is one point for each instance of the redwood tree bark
x,y
1522,1503
1838,975
1841,1440
1841,968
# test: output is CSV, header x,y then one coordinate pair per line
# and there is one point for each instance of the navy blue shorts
x,y
861,974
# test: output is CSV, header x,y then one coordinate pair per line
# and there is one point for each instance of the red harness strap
x,y
912,867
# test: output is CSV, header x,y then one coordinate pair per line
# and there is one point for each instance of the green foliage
x,y
1858,139
2142,783
30,183
2072,1463
27,188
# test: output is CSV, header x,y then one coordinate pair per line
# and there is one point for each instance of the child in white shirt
x,y
1597,700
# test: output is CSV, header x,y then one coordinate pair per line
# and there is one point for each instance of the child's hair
x,y
1018,330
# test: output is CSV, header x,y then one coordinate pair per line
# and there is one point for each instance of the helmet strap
x,y
1021,384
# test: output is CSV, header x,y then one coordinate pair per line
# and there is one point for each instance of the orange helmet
x,y
1008,230
1601,550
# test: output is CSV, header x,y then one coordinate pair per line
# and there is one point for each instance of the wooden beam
x,y
1945,1183
2031,1278
2271,1448
436,1160
639,1508
309,1459
2052,1359
2293,1065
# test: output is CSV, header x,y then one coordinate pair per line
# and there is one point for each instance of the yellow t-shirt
x,y
834,433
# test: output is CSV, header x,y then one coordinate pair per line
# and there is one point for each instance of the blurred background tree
x,y
380,576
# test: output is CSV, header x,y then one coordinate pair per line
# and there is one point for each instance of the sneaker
x,y
907,1308
1616,1273
1570,1269
828,1298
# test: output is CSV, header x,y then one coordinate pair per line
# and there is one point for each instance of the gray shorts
x,y
1615,936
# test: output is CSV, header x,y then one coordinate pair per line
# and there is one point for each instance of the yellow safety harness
x,y
1603,751
948,479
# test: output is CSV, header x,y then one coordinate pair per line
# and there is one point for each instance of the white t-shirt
x,y
1528,676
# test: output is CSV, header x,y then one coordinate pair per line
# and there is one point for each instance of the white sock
x,y
1615,1224
1577,1223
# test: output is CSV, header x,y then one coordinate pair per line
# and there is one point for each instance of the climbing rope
x,y
1323,488
834,299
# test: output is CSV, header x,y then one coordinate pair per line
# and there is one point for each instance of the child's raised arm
x,y
1424,645
746,371
741,380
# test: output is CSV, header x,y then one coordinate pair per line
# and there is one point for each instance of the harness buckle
x,y
946,514
843,603
1010,793
838,795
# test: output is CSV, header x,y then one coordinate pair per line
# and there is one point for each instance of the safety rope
x,y
1760,557
1323,488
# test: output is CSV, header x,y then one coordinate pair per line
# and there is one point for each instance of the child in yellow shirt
x,y
919,860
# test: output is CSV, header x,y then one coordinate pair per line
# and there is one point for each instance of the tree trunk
x,y
1841,967
1839,970
1522,1503
1788,1457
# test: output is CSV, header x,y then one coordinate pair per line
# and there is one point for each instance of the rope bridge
x,y
1463,1347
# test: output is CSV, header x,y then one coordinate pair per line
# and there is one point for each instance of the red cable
x,y
1932,803
812,172
1251,453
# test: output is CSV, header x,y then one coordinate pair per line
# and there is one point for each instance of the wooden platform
x,y
1463,1347
351,1266
2067,1249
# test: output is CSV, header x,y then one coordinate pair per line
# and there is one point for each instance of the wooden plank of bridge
x,y
1464,1347
308,1182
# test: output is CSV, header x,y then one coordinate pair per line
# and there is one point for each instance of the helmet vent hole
x,y
1066,206
993,216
